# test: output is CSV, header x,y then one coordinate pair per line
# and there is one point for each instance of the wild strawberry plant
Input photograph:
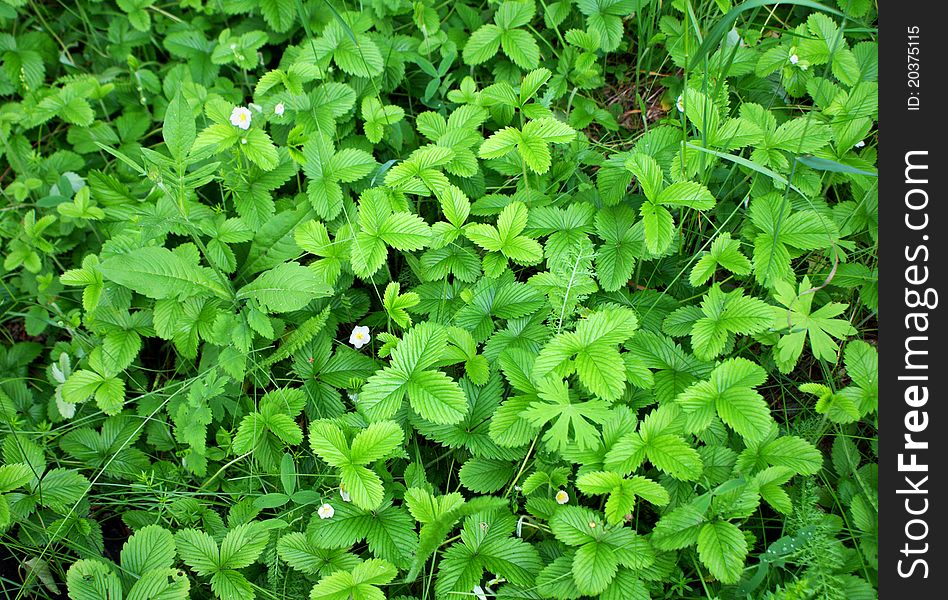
x,y
402,299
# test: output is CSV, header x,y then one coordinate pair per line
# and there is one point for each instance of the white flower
x,y
278,109
344,493
794,59
243,140
478,592
860,143
680,104
360,336
326,511
240,117
562,497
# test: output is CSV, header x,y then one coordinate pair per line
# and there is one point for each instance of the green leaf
x,y
231,585
674,456
92,580
377,117
626,454
405,231
792,452
615,258
595,366
325,169
679,528
571,422
61,490
279,14
396,304
574,525
375,442
329,443
781,227
768,485
387,530
420,348
363,485
159,273
622,492
179,131
500,143
626,586
482,45
351,164
729,394
110,396
649,490
285,288
359,584
367,255
151,547
531,84
746,412
514,13
647,173
120,348
358,55
595,339
302,553
521,48
549,130
818,326
725,314
485,475
659,227
198,550
724,252
242,545
14,476
594,567
605,18
535,153
382,395
81,385
259,148
436,397
723,549
599,482
686,193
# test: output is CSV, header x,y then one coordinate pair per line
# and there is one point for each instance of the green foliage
x,y
521,299
358,584
505,33
146,570
819,326
531,142
656,218
861,396
373,443
240,548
